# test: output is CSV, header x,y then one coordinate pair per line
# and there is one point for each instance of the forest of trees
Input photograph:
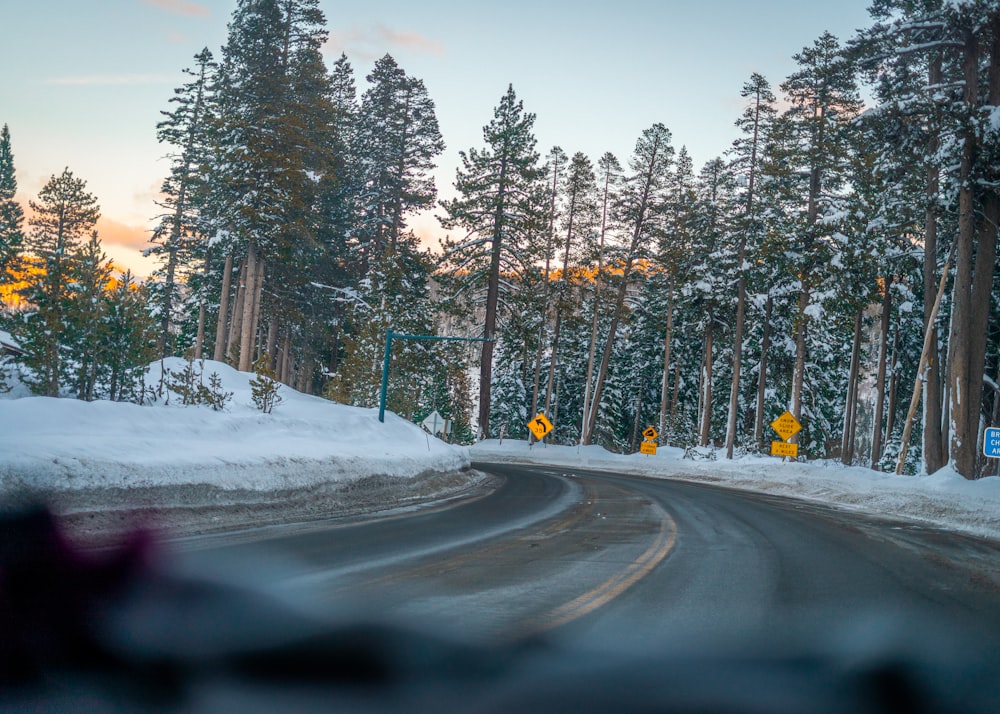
x,y
837,261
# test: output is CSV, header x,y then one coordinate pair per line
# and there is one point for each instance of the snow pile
x,y
56,445
943,499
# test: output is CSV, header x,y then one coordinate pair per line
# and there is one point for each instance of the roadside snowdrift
x,y
64,445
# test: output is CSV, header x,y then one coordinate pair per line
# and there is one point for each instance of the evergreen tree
x,y
500,206
128,338
610,173
63,217
639,211
824,100
178,239
746,154
274,140
11,213
82,340
394,295
579,222
397,142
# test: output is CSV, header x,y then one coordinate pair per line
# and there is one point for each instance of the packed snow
x,y
52,445
64,445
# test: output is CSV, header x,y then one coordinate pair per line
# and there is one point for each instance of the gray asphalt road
x,y
615,560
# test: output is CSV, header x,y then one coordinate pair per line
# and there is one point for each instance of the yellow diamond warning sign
x,y
540,426
786,425
650,434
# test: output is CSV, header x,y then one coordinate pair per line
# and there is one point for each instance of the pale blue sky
x,y
84,82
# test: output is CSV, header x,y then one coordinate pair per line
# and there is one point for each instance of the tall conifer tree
x,y
11,213
500,206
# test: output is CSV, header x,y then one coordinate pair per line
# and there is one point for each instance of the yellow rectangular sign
x,y
648,447
780,448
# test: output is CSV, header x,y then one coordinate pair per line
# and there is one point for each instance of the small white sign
x,y
435,423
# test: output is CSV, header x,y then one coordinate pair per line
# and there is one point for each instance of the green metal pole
x,y
385,375
389,334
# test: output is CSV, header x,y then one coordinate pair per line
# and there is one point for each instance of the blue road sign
x,y
991,443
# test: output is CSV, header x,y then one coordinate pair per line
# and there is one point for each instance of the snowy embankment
x,y
112,455
943,499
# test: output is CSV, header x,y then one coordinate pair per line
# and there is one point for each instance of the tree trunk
x,y
883,352
765,346
924,357
890,417
636,422
935,452
741,292
706,387
271,348
964,391
490,325
664,388
799,370
602,372
249,326
851,406
585,435
220,325
236,321
168,289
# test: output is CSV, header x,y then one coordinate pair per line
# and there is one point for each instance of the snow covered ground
x,y
944,499
70,447
89,456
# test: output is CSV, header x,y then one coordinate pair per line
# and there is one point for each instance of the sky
x,y
84,83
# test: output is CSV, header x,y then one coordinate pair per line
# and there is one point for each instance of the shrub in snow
x,y
264,386
189,386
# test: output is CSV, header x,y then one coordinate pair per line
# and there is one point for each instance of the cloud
x,y
124,244
114,232
370,43
180,7
111,80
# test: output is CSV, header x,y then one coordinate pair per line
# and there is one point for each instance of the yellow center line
x,y
619,583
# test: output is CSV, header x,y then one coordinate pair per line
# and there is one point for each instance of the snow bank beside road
x,y
59,445
944,499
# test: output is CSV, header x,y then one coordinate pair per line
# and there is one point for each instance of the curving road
x,y
613,559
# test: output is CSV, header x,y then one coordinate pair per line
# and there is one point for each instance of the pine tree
x,y
500,206
11,213
84,320
579,221
274,148
178,239
63,217
609,178
128,338
824,99
397,142
746,154
639,211
555,164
